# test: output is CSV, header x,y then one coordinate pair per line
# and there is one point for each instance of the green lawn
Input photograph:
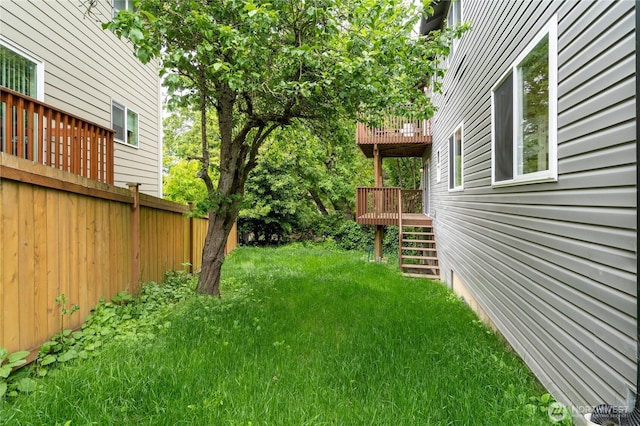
x,y
301,336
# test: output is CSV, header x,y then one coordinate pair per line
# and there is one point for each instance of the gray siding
x,y
85,68
553,264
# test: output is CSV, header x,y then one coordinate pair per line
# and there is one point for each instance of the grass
x,y
302,336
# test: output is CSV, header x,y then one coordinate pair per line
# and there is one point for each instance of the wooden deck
x,y
408,219
398,137
381,206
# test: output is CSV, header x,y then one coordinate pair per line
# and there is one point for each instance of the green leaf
x,y
3,389
18,356
5,370
49,359
68,356
16,363
3,354
27,385
136,35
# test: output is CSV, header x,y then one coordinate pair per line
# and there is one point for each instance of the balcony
x,y
39,132
397,137
381,206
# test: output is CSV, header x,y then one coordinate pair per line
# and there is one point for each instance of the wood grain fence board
x,y
98,281
114,251
91,250
64,246
83,274
40,263
10,313
2,261
26,303
74,253
53,252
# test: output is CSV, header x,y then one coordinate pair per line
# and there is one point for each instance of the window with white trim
x,y
20,72
119,5
454,18
125,122
456,159
524,114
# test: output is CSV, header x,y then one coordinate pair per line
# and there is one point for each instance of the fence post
x,y
135,236
191,259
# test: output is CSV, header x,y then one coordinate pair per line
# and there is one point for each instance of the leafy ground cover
x,y
301,336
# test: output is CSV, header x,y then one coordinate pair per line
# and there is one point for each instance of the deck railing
x,y
381,206
39,132
395,130
377,206
411,200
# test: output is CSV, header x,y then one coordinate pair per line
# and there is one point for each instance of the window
x,y
454,17
438,175
20,72
119,5
455,159
125,122
524,115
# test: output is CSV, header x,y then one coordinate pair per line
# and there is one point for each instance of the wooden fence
x,y
66,234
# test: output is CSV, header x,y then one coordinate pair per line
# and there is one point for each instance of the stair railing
x,y
400,227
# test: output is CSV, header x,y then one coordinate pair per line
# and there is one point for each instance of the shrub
x,y
351,236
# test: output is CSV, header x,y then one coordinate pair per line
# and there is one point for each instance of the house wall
x,y
552,264
86,68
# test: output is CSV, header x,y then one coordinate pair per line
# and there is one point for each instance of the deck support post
x,y
377,167
377,243
379,233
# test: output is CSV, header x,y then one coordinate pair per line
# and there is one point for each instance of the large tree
x,y
263,64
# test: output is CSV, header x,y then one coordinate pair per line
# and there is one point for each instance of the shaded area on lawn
x,y
301,336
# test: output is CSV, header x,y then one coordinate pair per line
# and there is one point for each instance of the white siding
x,y
85,68
553,264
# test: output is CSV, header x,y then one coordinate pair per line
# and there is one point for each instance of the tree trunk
x,y
213,253
319,204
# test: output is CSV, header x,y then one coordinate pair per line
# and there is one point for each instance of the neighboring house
x,y
530,183
58,53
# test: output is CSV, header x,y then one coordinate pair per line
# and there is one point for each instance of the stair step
x,y
409,240
427,276
420,257
417,233
419,248
418,266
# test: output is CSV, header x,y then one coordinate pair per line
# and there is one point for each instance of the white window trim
x,y
126,110
455,42
115,11
438,172
461,187
33,58
550,175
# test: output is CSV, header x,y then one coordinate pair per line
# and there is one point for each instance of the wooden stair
x,y
418,254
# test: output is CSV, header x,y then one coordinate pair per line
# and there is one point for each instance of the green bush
x,y
390,242
351,236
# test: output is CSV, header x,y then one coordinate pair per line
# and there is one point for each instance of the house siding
x,y
86,68
552,264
